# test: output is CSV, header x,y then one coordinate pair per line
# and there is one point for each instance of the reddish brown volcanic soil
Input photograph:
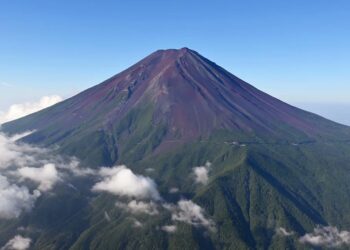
x,y
195,96
190,94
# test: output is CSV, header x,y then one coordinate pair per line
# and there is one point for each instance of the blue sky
x,y
295,50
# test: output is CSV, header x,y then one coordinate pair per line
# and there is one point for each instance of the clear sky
x,y
298,51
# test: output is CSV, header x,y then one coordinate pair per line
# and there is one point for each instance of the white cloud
x,y
45,176
20,136
72,165
19,110
15,199
201,173
13,153
190,213
16,154
20,161
8,151
283,232
17,243
169,228
123,182
137,207
329,237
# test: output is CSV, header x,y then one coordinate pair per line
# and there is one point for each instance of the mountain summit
x,y
255,171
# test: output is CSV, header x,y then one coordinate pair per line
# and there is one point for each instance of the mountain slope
x,y
183,93
272,165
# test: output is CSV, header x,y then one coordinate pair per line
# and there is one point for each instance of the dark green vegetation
x,y
252,191
295,176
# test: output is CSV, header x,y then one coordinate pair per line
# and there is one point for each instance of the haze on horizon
x,y
296,51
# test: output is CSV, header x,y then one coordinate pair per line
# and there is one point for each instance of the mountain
x,y
177,96
272,165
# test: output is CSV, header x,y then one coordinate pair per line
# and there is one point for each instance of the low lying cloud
x,y
19,162
8,151
16,137
329,237
17,154
15,199
139,207
17,243
169,228
322,236
201,173
283,232
20,110
45,176
122,181
190,213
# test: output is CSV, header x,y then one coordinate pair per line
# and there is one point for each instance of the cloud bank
x,y
190,213
169,228
19,110
16,154
17,243
123,182
45,176
139,207
322,236
15,199
329,237
8,151
20,162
